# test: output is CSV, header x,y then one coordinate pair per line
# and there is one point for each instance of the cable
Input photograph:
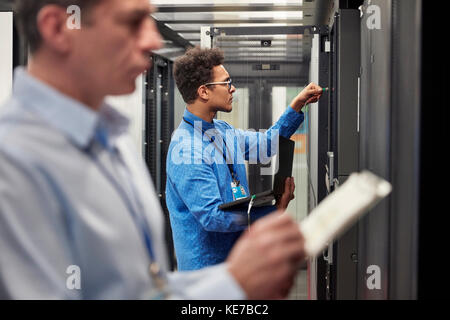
x,y
250,205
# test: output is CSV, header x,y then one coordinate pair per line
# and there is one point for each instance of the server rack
x,y
159,125
318,126
390,147
342,256
374,124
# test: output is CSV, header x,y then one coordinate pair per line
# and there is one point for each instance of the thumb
x,y
292,185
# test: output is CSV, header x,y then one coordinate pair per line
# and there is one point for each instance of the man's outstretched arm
x,y
260,146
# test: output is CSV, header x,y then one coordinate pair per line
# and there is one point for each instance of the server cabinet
x,y
344,143
375,153
159,125
389,147
317,146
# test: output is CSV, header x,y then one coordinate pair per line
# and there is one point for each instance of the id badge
x,y
238,191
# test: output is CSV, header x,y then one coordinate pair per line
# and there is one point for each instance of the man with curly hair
x,y
205,162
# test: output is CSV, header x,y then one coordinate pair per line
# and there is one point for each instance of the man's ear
x,y
52,26
203,93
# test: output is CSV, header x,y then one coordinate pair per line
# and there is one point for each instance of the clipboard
x,y
335,214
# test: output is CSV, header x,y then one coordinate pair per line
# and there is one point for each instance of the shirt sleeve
x,y
212,283
33,264
259,147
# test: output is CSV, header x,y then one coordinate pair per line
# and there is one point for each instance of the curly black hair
x,y
194,68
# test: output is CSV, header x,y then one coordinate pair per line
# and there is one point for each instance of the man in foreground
x,y
79,218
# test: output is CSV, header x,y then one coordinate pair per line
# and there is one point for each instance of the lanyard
x,y
230,166
154,269
139,222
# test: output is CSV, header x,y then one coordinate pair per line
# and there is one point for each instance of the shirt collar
x,y
192,118
77,121
113,124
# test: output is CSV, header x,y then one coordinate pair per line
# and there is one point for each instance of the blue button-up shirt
x,y
199,181
75,197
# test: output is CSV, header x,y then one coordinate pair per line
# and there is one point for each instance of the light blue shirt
x,y
70,182
199,181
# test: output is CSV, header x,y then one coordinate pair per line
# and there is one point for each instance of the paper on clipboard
x,y
341,209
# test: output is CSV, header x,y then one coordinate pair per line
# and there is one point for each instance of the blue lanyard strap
x,y
139,222
230,166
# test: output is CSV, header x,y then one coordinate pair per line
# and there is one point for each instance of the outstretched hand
x,y
310,94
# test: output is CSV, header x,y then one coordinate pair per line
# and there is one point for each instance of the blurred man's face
x,y
112,50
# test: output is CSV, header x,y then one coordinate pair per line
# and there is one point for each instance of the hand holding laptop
x,y
284,169
288,194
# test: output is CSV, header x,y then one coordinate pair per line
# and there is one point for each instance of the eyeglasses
x,y
229,82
